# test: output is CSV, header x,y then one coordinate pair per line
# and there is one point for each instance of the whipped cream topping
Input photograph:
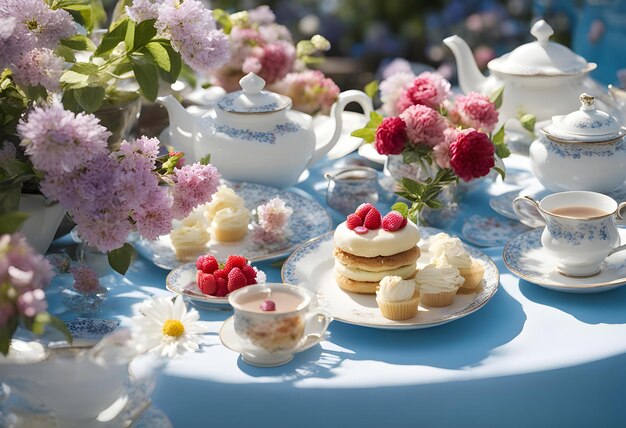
x,y
224,197
377,242
438,279
450,251
396,289
193,229
231,218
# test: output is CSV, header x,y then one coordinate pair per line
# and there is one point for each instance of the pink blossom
x,y
38,67
398,65
106,232
21,266
471,154
142,10
261,15
274,215
58,140
392,88
154,217
12,41
32,302
475,110
441,152
390,136
86,281
310,91
194,185
423,125
429,89
192,32
272,62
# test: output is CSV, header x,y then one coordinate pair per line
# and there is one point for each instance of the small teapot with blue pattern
x,y
253,135
583,150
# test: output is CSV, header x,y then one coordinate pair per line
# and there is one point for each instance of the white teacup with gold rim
x,y
270,321
580,229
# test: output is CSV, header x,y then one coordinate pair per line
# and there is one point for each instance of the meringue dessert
x,y
398,298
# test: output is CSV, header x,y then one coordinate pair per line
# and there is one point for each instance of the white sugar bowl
x,y
583,150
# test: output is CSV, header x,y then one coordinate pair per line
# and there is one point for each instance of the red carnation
x,y
390,136
471,154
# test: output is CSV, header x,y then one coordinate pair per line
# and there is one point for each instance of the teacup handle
x,y
521,214
316,322
619,215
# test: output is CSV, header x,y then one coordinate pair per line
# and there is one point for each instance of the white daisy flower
x,y
167,327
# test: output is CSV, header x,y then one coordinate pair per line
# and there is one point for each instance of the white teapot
x,y
542,78
253,135
583,150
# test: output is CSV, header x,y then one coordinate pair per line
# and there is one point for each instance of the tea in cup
x,y
580,229
271,319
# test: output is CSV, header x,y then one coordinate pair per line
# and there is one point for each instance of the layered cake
x,y
369,248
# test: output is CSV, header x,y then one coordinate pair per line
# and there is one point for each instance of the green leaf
x,y
528,122
6,333
11,222
160,55
223,18
496,97
147,77
112,38
69,101
59,325
73,80
205,160
176,65
66,53
85,68
78,42
502,151
90,97
401,207
500,171
367,134
371,88
82,13
412,186
129,38
144,33
120,258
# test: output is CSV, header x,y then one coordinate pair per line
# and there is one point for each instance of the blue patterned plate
x,y
526,258
311,266
91,328
182,280
309,219
491,231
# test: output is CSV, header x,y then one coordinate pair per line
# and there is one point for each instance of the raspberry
x,y
361,230
235,261
250,274
220,273
353,221
236,279
372,219
403,223
222,287
392,221
363,209
207,264
206,283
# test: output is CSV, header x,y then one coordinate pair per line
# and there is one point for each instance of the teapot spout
x,y
470,77
181,124
337,109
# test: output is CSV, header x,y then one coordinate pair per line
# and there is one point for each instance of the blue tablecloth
x,y
530,357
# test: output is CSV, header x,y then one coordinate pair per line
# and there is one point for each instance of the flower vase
x,y
42,222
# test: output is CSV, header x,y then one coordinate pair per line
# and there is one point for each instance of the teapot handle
x,y
343,100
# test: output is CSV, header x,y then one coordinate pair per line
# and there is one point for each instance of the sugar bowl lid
x,y
252,99
541,57
586,125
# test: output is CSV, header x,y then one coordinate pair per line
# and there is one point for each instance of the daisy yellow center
x,y
173,328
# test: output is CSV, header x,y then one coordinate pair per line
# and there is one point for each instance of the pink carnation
x,y
392,88
429,89
272,62
274,215
310,91
194,185
441,152
390,136
85,280
423,125
475,110
471,154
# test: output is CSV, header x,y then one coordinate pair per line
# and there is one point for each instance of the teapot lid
x,y
252,99
541,57
585,125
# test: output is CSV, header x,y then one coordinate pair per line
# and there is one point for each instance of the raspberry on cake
x,y
368,253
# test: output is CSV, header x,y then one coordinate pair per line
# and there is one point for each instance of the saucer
x,y
526,258
182,281
308,220
491,231
231,340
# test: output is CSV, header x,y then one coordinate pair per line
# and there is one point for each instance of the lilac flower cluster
x,y
23,275
29,31
108,195
86,280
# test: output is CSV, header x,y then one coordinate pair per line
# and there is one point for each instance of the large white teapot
x,y
542,78
253,135
583,150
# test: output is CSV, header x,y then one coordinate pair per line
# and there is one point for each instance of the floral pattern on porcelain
x,y
578,151
227,104
593,124
577,232
268,137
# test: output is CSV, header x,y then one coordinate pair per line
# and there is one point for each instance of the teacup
x,y
580,229
278,333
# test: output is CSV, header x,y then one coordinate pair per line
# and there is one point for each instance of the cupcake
x,y
230,224
224,197
438,284
397,298
450,251
190,236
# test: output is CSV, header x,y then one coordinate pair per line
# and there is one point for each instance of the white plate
x,y
526,258
311,266
182,280
309,219
368,152
230,340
